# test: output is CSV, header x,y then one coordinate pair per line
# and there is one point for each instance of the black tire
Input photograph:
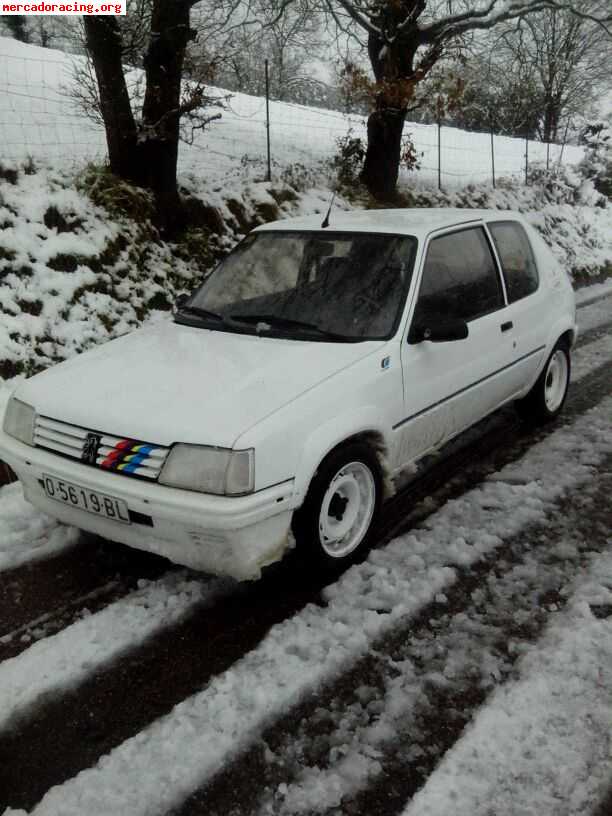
x,y
348,467
545,400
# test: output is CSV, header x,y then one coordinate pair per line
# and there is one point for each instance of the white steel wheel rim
x,y
347,509
555,381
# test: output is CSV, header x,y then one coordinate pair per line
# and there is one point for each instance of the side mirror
x,y
438,330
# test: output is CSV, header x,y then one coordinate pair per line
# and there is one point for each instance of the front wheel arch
x,y
354,468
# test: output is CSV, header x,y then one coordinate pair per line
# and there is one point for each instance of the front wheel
x,y
545,400
342,505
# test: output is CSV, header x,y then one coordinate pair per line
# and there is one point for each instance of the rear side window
x,y
517,259
460,278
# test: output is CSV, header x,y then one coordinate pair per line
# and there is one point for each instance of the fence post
x,y
439,154
527,159
493,155
563,145
269,174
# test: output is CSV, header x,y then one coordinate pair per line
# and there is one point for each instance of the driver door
x,y
450,385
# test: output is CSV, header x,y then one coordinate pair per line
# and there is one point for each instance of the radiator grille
x,y
114,453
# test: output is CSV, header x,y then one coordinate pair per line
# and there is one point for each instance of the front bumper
x,y
225,535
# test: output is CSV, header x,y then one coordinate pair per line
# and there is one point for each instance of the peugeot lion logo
x,y
90,448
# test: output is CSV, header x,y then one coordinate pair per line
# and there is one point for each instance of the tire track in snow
x,y
549,728
593,334
154,770
115,701
369,742
37,600
63,660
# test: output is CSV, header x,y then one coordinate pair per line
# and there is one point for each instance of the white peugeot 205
x,y
313,365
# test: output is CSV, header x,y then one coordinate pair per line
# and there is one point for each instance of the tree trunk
x,y
17,25
170,33
381,166
104,46
393,68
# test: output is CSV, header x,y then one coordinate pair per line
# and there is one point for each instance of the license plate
x,y
97,503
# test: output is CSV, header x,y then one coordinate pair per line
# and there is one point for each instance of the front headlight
x,y
210,470
19,421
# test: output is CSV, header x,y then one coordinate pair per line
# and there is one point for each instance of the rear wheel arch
x,y
568,337
544,401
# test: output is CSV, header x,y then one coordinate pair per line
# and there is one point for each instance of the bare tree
x,y
569,58
405,40
494,93
143,148
17,25
288,37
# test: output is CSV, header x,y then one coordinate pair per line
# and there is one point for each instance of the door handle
x,y
507,326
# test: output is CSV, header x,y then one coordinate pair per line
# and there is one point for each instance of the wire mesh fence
x,y
39,118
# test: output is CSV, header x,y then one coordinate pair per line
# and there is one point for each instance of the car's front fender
x,y
362,423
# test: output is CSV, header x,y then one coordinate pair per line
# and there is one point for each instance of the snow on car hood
x,y
173,383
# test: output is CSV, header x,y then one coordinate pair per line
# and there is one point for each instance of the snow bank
x,y
70,276
21,523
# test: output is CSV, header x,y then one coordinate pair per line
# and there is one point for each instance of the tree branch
x,y
362,20
488,17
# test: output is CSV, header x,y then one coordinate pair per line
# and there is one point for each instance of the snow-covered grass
x,y
70,276
80,261
39,118
158,767
73,274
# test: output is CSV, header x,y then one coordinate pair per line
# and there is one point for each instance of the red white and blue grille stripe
x,y
126,456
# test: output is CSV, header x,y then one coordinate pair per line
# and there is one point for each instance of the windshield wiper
x,y
275,321
202,313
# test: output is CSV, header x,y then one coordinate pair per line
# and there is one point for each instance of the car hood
x,y
173,383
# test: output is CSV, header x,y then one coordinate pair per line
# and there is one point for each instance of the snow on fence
x,y
40,119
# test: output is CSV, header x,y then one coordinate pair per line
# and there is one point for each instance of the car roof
x,y
418,221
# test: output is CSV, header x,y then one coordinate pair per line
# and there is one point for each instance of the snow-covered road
x,y
492,609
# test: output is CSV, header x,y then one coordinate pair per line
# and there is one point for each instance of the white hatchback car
x,y
311,367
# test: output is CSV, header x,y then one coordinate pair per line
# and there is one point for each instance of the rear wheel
x,y
333,526
545,400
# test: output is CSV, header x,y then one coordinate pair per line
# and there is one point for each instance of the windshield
x,y
329,286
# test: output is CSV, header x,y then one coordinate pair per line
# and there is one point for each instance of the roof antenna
x,y
325,223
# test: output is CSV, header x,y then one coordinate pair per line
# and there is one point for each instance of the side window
x,y
460,278
517,259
